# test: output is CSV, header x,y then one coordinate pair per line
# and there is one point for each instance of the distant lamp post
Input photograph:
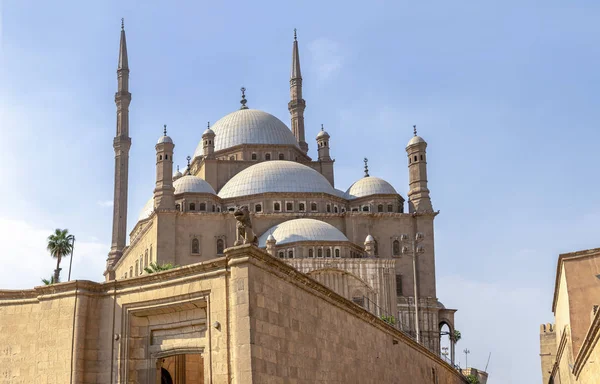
x,y
71,261
466,351
412,246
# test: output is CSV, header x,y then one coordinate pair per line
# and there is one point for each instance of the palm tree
x,y
153,267
50,281
60,244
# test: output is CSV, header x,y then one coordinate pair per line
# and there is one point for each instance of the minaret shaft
x,y
297,104
121,145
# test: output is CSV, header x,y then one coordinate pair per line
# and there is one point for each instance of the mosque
x,y
332,286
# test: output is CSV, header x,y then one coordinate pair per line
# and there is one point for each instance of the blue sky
x,y
504,92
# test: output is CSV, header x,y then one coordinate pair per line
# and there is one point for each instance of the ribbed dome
x,y
249,126
368,186
302,230
164,139
276,176
147,210
415,140
192,184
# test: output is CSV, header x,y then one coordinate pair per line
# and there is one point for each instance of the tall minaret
x,y
418,194
297,104
121,145
164,193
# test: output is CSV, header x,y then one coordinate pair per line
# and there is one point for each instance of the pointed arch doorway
x,y
183,368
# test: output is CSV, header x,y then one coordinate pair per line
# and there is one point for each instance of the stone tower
x,y
164,192
323,145
297,104
418,193
547,350
208,143
121,145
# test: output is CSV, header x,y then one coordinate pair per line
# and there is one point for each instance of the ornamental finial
x,y
295,36
208,125
322,129
122,23
415,130
165,130
366,167
189,171
243,101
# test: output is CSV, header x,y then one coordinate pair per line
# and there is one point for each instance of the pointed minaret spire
x,y
366,167
297,104
121,145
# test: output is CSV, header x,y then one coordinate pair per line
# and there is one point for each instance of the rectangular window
x,y
390,208
277,206
289,206
302,207
399,285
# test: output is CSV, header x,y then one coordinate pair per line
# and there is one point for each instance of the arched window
x,y
313,207
178,207
390,208
289,206
380,208
166,157
415,157
290,254
130,271
335,209
220,246
258,208
281,255
328,252
311,253
337,252
254,156
146,259
421,157
150,253
137,267
301,207
141,264
375,248
213,208
192,207
195,246
277,207
281,156
231,158
268,156
203,207
320,252
365,208
396,248
160,157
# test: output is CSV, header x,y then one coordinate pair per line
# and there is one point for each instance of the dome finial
x,y
208,125
415,130
178,168
122,23
322,129
165,130
295,36
366,167
188,158
243,101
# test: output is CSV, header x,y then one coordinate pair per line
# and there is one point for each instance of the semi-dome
x,y
249,126
192,184
276,176
368,186
292,231
147,210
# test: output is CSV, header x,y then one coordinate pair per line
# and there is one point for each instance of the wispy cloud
x,y
105,203
326,58
28,260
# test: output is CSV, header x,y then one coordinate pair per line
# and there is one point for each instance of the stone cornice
x,y
563,257
589,343
261,259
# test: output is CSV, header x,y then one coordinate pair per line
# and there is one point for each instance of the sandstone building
x,y
303,302
569,348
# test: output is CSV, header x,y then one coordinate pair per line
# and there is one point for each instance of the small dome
x,y
270,238
249,126
165,139
322,134
208,132
276,176
177,175
369,239
147,210
192,184
302,230
415,140
368,186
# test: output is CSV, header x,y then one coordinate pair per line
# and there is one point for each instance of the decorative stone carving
x,y
245,234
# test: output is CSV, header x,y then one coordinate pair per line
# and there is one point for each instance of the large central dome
x,y
276,176
249,126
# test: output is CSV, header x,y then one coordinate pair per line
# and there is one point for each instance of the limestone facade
x,y
569,347
246,317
